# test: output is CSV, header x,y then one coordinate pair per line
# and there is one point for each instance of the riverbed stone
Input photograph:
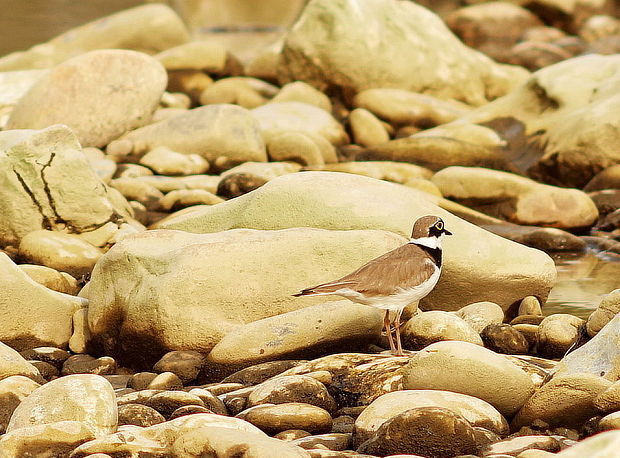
x,y
273,418
99,95
87,398
329,47
332,200
205,55
52,278
470,369
292,388
566,400
300,333
476,411
557,333
61,437
164,161
304,148
86,364
608,178
606,310
503,338
13,390
266,170
366,128
50,186
139,415
481,314
397,172
167,402
300,91
185,364
183,198
242,91
515,198
433,326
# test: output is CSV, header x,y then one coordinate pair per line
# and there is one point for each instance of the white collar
x,y
429,242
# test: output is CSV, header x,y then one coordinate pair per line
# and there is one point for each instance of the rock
x,y
86,364
139,415
292,388
373,204
51,278
183,198
169,401
476,411
469,369
481,314
548,239
329,47
79,94
13,85
254,257
516,198
258,373
59,437
401,107
609,421
608,178
188,410
164,161
266,170
134,171
593,447
185,364
299,116
165,381
211,401
25,305
606,310
305,148
530,305
609,400
222,134
13,390
242,91
557,333
238,184
503,338
331,441
88,399
273,418
301,333
434,326
517,445
415,431
48,180
52,355
366,128
300,91
64,252
566,400
207,56
81,332
398,172
138,190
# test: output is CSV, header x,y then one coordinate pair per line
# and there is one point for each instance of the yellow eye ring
x,y
439,225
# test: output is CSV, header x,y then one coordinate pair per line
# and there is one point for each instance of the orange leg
x,y
387,324
399,347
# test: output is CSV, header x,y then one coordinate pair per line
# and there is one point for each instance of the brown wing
x,y
397,265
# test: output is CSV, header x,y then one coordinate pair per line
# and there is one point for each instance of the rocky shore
x,y
162,200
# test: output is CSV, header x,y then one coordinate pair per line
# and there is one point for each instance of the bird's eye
x,y
439,225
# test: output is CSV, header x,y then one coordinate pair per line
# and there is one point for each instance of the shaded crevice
x,y
48,192
47,224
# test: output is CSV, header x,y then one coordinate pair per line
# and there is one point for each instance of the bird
x,y
395,279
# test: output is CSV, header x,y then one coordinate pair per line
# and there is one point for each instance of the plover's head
x,y
428,228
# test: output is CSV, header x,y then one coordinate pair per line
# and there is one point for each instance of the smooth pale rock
x,y
609,421
345,201
470,369
476,411
185,364
608,178
300,147
609,400
33,315
258,373
214,131
208,56
602,445
47,183
330,47
81,333
517,445
99,95
182,198
481,314
167,402
607,309
86,364
433,326
300,333
366,128
557,333
292,388
59,438
273,418
149,28
401,107
51,278
256,258
516,198
266,170
132,171
566,400
243,91
13,85
13,390
299,116
164,161
300,91
60,251
398,172
86,398
138,190
415,431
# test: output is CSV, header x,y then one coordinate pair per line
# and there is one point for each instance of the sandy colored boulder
x,y
470,369
164,161
99,95
557,333
49,185
13,390
13,85
205,55
515,198
480,314
292,388
478,266
608,178
241,90
87,398
266,170
366,128
607,309
300,91
38,440
330,47
600,445
274,418
433,326
300,333
398,172
51,278
207,294
182,198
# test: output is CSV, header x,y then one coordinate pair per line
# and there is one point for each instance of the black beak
x,y
447,232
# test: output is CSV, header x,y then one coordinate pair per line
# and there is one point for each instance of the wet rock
x,y
557,333
186,364
292,415
530,273
188,410
366,128
88,399
516,198
300,333
567,400
47,371
237,184
86,364
183,198
292,388
481,314
164,161
469,369
434,326
415,431
139,415
78,95
606,310
503,338
61,437
330,441
329,48
13,390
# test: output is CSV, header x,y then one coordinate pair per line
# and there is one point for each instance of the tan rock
x,y
77,93
596,446
481,314
273,418
470,369
13,390
81,333
367,130
292,388
182,198
530,305
185,364
38,440
205,55
167,162
609,421
301,147
557,333
608,178
434,326
190,82
51,278
516,198
609,400
241,90
149,28
516,445
13,85
398,172
87,398
266,170
138,190
300,91
132,171
606,310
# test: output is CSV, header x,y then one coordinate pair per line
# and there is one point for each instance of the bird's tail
x,y
323,289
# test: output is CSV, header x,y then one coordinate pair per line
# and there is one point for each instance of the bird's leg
x,y
387,324
399,347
